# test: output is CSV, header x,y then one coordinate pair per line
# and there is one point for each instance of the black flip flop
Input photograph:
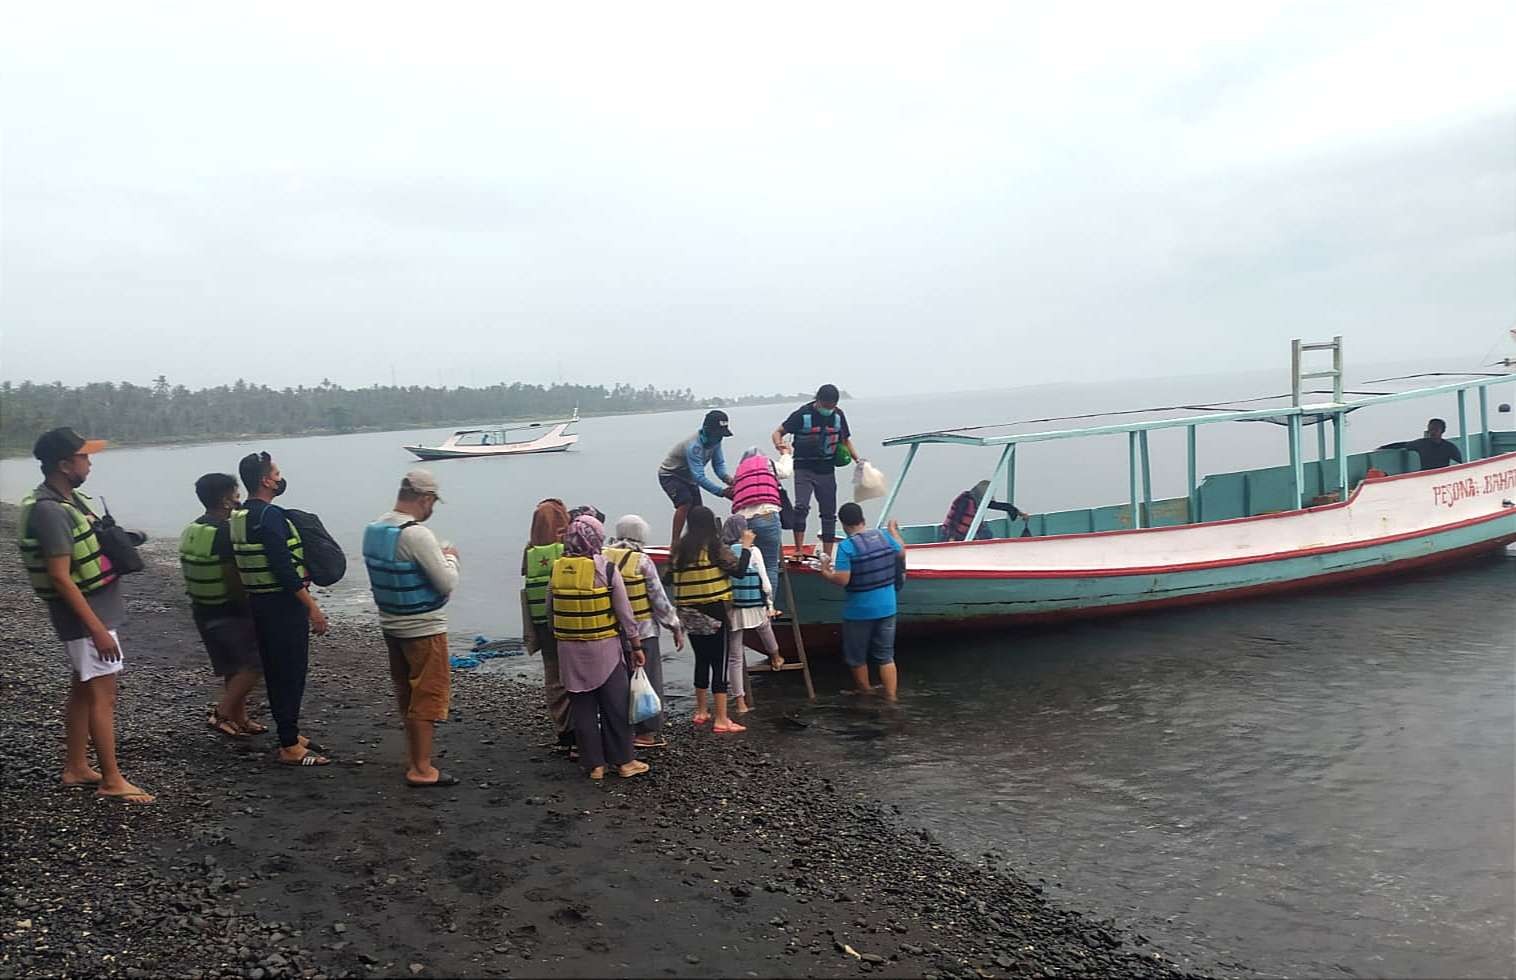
x,y
443,780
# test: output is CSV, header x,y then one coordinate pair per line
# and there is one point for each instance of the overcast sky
x,y
749,198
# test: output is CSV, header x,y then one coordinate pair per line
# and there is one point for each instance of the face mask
x,y
281,486
826,413
74,480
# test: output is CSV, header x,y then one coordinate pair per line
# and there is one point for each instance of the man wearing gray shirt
x,y
63,558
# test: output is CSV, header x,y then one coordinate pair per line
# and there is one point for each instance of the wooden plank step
x,y
763,668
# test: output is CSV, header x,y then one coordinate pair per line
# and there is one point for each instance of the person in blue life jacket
x,y
821,442
868,565
412,576
682,472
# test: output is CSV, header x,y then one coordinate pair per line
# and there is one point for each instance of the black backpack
x,y
325,561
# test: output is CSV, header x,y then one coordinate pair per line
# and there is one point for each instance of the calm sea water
x,y
1319,784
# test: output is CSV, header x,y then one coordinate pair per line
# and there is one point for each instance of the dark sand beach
x,y
733,857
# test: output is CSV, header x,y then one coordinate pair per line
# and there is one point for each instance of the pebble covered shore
x,y
733,857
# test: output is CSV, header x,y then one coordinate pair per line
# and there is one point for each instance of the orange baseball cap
x,y
61,443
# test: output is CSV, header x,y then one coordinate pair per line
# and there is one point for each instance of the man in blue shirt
x,y
682,472
868,565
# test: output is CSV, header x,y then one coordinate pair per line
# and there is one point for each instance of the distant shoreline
x,y
23,452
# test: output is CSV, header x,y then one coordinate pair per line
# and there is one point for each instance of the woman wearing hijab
x,y
651,606
544,547
594,626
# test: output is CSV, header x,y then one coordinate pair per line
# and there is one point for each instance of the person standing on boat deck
x,y
545,546
412,577
69,572
218,604
960,515
822,442
703,572
755,498
597,633
271,564
869,566
651,606
682,472
752,608
1435,451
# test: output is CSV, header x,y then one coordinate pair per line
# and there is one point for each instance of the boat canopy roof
x,y
514,426
1276,409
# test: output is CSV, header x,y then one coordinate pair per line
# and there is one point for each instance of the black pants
x,y
284,644
602,722
710,660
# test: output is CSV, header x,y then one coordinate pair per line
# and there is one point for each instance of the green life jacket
x,y
252,558
203,579
89,569
539,569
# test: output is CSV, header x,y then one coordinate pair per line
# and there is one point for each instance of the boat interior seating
x,y
1221,496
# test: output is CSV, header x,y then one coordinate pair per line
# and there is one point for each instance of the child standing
x,y
752,608
703,573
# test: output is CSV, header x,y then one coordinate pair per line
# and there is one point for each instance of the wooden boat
x,y
1233,535
550,436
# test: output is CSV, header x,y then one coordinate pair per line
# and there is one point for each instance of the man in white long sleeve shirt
x,y
412,577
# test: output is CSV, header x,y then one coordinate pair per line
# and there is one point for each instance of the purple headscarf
x,y
584,538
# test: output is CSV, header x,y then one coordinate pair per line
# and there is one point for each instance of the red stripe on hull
x,y
827,637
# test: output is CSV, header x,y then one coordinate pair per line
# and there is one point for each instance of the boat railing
x,y
1294,416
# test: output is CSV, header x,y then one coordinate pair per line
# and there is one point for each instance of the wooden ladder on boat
x,y
803,664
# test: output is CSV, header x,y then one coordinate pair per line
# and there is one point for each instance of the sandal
x,y
253,728
699,720
443,779
225,726
633,768
730,728
658,742
597,773
310,758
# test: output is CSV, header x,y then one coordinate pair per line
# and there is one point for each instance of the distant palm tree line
x,y
128,413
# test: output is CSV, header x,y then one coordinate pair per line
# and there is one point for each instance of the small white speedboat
x,y
550,436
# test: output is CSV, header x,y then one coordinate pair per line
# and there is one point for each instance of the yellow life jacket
x,y
581,609
539,568
701,584
252,558
87,566
630,563
201,566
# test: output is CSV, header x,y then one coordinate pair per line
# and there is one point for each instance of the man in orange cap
x,y
82,590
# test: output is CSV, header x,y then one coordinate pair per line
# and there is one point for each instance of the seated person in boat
x,y
960,516
1435,451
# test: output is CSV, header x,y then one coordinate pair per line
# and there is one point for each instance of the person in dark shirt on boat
x,y
960,516
1435,451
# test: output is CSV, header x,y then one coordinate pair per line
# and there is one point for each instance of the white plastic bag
x,y
644,703
784,469
868,482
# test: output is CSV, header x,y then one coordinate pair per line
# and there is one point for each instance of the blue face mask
x,y
826,413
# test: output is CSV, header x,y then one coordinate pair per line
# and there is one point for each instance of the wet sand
x,y
732,857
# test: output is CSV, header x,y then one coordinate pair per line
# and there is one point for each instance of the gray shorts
x,y
868,641
232,644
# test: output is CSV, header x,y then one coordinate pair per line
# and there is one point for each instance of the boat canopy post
x,y
1339,445
1194,514
1147,480
1297,465
905,467
983,508
1484,422
1321,452
1010,483
1131,466
1463,422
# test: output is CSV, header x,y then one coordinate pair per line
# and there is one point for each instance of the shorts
x,y
421,662
681,491
86,660
868,641
232,644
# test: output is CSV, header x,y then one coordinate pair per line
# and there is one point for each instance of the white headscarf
x,y
631,533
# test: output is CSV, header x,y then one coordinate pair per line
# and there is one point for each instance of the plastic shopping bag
x,y
644,700
868,482
784,468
